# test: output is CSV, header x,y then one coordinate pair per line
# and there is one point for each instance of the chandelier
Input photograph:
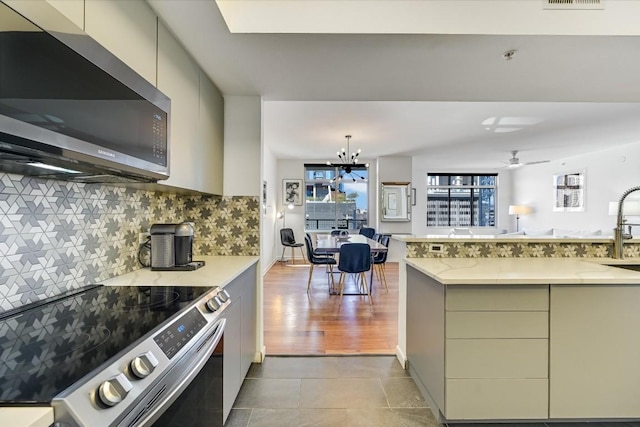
x,y
348,163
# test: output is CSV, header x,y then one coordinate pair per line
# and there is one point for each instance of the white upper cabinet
x,y
128,30
210,137
196,119
72,9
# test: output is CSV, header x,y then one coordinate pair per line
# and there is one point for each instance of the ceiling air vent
x,y
573,4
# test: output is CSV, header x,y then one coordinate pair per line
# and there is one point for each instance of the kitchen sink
x,y
634,267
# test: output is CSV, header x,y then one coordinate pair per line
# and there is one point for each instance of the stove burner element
x,y
151,299
66,348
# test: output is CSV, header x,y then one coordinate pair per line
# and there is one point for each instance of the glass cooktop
x,y
46,347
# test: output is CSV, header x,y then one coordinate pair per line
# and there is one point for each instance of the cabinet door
x,y
127,29
210,137
72,9
595,351
248,320
232,379
178,78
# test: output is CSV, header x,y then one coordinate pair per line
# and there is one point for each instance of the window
x,y
461,200
331,203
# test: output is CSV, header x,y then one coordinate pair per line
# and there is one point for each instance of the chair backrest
x,y
376,237
368,232
354,258
309,247
286,236
335,233
381,257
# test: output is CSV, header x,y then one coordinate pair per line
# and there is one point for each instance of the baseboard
x,y
260,355
402,358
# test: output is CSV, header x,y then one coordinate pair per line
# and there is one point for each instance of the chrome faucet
x,y
619,236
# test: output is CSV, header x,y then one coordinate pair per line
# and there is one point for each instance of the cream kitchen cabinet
x,y
595,351
196,133
240,335
496,352
479,352
72,9
128,29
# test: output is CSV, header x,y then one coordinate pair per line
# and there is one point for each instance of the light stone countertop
x,y
28,417
217,271
526,271
499,238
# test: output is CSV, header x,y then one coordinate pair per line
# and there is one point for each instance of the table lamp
x,y
518,210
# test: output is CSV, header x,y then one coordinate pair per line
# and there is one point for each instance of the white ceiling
x,y
420,94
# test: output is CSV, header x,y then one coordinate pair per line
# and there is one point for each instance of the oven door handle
x,y
201,357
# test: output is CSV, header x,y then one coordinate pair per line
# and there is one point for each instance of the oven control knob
x,y
142,366
213,304
114,390
224,295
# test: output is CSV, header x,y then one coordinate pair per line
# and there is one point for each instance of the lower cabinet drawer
x,y
497,324
481,399
497,358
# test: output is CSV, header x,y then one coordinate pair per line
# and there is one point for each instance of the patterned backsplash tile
x,y
518,249
58,235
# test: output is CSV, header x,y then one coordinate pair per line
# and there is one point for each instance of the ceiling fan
x,y
514,161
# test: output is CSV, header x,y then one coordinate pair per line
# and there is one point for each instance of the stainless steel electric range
x,y
118,356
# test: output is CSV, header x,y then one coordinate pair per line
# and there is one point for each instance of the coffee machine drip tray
x,y
193,265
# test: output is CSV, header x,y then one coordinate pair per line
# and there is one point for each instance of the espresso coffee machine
x,y
172,247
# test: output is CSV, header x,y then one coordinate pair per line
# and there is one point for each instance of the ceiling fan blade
x,y
535,163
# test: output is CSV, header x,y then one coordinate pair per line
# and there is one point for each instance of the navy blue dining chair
x,y
368,232
379,262
317,260
355,258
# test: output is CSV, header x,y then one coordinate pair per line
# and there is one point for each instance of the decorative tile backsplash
x,y
518,249
58,235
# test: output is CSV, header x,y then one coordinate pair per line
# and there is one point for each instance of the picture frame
x,y
568,192
292,192
264,198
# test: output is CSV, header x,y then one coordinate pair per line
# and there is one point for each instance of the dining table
x,y
328,245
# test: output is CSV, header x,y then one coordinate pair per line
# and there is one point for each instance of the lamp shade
x,y
519,210
630,208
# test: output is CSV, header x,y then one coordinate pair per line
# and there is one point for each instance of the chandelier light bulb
x,y
347,162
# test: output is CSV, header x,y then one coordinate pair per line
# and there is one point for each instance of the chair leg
x,y
282,255
302,253
381,276
341,284
293,260
333,283
310,273
364,281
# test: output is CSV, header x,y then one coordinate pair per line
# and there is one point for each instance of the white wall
x,y
293,218
392,169
608,174
423,165
242,145
270,238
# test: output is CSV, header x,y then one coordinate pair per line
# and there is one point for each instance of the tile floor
x,y
341,391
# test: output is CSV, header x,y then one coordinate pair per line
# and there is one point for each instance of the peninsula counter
x,y
524,338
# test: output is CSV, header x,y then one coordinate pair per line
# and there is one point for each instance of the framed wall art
x,y
292,191
264,198
568,192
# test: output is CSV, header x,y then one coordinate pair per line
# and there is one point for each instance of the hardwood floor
x,y
297,323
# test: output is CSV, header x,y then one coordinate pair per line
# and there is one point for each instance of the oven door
x,y
190,394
